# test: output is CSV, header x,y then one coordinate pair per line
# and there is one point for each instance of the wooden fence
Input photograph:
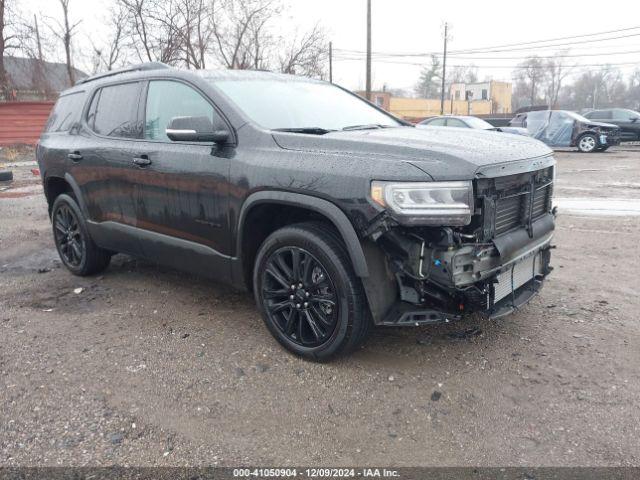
x,y
22,122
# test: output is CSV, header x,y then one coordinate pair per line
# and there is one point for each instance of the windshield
x,y
474,122
296,104
577,116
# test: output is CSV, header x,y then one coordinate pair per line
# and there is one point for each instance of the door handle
x,y
75,156
142,161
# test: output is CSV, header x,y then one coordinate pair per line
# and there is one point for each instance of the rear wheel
x,y
587,143
77,250
308,294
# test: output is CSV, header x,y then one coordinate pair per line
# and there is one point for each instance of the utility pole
x,y
368,85
444,67
330,62
39,44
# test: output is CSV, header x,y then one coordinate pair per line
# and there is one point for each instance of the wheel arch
x,y
301,203
55,185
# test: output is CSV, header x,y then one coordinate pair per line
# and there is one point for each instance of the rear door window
x,y
623,115
167,99
454,122
114,111
438,122
66,113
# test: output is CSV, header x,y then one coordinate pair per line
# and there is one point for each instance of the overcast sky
x,y
416,26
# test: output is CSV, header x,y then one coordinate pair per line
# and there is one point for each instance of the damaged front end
x,y
492,265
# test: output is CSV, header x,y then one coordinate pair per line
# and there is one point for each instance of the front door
x,y
182,187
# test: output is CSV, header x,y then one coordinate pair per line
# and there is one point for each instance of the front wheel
x,y
308,294
587,143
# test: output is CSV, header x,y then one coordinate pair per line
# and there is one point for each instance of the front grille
x,y
511,199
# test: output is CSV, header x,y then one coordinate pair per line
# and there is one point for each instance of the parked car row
x,y
467,121
595,131
562,128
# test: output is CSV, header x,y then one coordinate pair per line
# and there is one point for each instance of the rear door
x,y
59,139
183,186
629,123
104,168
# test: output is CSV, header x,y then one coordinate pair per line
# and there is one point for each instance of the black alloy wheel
x,y
299,296
75,246
68,236
309,296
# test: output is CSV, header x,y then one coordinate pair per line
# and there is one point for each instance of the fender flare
x,y
321,206
75,188
78,193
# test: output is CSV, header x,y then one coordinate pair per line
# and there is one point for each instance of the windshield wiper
x,y
370,126
309,130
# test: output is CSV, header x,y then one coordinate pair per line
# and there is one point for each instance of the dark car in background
x,y
562,128
337,215
627,120
467,121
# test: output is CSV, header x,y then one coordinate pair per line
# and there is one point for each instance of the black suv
x,y
627,120
337,215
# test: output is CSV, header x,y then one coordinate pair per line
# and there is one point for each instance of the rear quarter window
x,y
66,113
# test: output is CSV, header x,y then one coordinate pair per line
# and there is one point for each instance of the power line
x,y
636,52
397,62
499,49
576,55
550,39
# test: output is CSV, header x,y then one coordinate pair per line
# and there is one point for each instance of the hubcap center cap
x,y
301,294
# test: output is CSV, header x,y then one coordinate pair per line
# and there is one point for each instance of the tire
x,y
77,250
588,143
320,311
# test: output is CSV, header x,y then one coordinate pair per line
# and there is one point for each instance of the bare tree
x,y
306,55
196,31
9,40
240,33
529,77
152,26
37,46
112,52
556,73
65,30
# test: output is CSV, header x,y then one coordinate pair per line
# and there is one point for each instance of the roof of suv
x,y
145,70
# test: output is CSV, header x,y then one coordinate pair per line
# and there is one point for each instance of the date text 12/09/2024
x,y
315,472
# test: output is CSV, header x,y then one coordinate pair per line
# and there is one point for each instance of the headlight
x,y
429,203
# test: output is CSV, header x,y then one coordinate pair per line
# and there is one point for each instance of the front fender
x,y
319,205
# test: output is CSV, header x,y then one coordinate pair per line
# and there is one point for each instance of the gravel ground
x,y
147,366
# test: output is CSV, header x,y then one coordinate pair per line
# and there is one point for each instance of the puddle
x,y
600,207
17,192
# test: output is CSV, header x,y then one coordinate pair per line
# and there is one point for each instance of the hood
x,y
514,130
444,153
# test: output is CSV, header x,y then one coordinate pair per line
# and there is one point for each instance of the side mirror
x,y
194,129
633,119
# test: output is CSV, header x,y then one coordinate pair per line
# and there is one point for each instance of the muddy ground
x,y
148,366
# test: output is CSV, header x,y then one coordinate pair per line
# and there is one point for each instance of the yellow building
x,y
483,98
413,109
497,93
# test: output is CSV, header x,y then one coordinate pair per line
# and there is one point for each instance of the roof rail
x,y
134,68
